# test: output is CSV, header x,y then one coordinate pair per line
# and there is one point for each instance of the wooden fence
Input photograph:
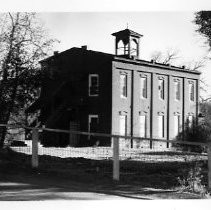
x,y
115,145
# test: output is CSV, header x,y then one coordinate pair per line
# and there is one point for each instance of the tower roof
x,y
127,32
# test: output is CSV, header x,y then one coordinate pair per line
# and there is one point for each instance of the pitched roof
x,y
127,32
122,59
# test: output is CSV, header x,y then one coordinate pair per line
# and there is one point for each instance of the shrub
x,y
193,181
196,132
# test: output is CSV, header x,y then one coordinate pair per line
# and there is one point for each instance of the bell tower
x,y
127,43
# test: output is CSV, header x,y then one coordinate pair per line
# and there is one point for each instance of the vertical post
x,y
35,136
132,108
209,164
116,158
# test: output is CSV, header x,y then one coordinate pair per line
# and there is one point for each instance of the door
x,y
93,127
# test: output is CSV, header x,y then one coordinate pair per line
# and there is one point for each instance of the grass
x,y
158,170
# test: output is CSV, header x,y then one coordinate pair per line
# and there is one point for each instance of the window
x,y
134,47
143,84
177,89
123,85
190,121
161,88
142,124
121,48
191,91
161,126
93,85
176,125
123,125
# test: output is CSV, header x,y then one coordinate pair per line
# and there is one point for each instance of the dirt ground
x,y
79,179
36,186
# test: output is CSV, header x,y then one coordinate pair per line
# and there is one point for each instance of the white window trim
x,y
89,121
190,123
126,127
90,76
179,125
163,125
145,125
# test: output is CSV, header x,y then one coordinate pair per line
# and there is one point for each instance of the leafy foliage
x,y
23,42
203,21
194,132
194,181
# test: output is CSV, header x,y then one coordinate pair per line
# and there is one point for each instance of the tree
x,y
172,55
197,131
203,21
197,66
23,42
166,58
157,56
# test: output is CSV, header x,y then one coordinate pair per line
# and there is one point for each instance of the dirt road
x,y
36,186
25,187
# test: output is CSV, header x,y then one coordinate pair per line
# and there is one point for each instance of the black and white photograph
x,y
110,105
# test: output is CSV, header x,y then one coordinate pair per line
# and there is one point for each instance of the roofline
x,y
127,60
78,48
133,33
155,64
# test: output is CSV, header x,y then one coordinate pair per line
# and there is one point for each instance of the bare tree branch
x,y
23,42
197,65
170,56
156,56
165,58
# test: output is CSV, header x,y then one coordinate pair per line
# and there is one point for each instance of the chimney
x,y
56,53
84,47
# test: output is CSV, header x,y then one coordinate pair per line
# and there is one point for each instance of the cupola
x,y
127,43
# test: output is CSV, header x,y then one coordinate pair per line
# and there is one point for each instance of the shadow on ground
x,y
25,187
28,186
71,179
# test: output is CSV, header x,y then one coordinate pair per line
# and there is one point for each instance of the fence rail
x,y
115,146
105,135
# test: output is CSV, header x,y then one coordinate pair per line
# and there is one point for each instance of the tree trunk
x,y
3,130
3,135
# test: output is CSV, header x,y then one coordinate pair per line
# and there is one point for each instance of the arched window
x,y
120,48
134,47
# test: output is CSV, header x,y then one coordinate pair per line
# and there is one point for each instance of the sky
x,y
162,31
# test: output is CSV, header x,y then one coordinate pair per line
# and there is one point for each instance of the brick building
x,y
119,94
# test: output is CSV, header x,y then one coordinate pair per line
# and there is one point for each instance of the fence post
x,y
35,136
209,165
116,158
